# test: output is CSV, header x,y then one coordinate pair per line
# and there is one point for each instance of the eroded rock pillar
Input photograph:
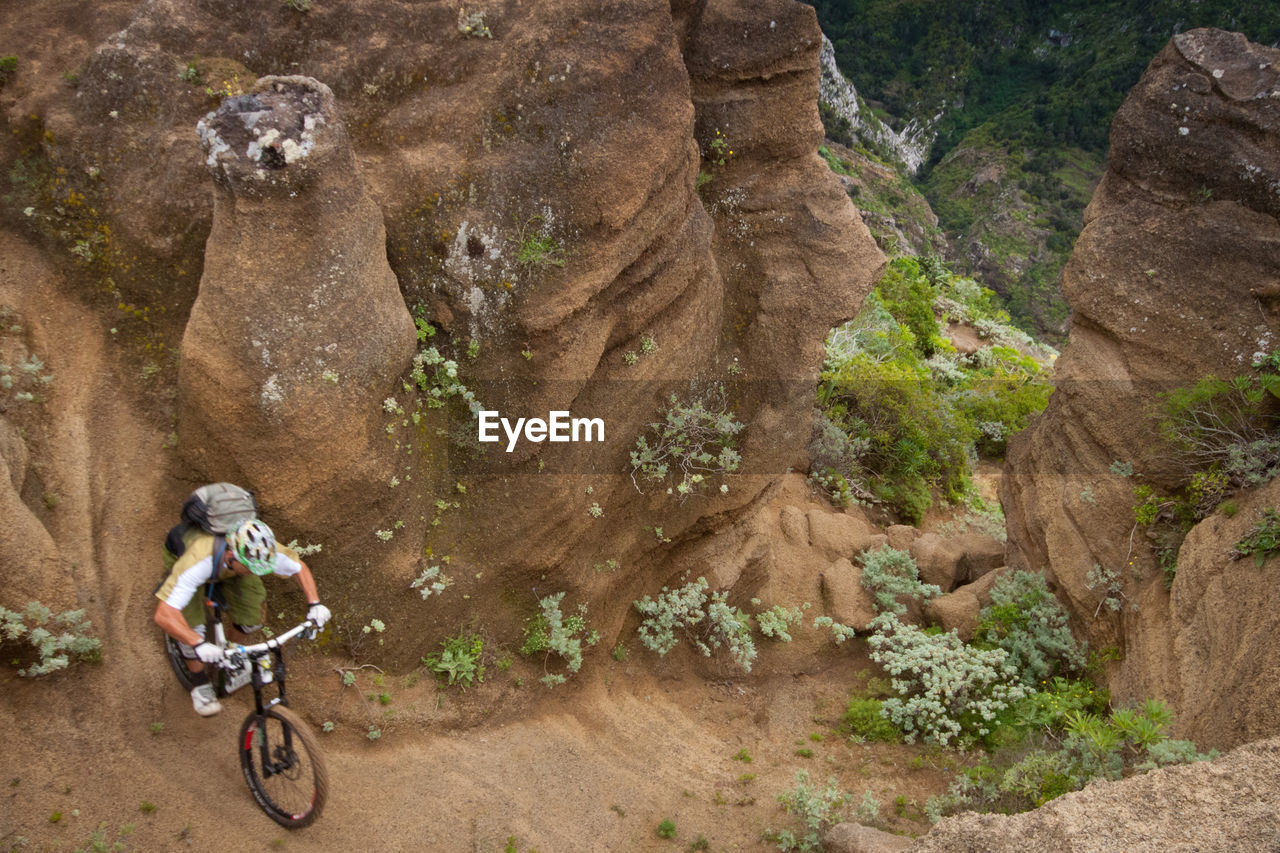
x,y
299,330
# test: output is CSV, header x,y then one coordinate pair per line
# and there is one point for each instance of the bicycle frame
x,y
237,654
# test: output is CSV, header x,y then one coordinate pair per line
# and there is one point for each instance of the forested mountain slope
x,y
1020,97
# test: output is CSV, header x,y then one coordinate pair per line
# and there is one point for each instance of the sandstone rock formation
x,y
949,562
1226,804
1180,238
854,838
475,152
299,330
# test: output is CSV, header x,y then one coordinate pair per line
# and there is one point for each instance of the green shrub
x,y
694,440
817,809
945,689
1031,625
1226,425
554,633
836,462
1047,708
667,829
55,639
1091,746
458,662
1262,540
864,719
1000,395
868,811
708,622
908,295
889,574
914,440
8,68
902,412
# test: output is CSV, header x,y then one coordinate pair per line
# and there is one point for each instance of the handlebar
x,y
307,627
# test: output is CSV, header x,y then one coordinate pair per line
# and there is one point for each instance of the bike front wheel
x,y
284,766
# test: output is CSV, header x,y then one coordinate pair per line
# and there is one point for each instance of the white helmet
x,y
254,545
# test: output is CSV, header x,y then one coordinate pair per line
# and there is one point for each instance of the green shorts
x,y
245,601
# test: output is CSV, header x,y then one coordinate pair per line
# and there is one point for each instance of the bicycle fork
x,y
281,757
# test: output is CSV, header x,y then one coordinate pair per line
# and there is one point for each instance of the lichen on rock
x,y
250,139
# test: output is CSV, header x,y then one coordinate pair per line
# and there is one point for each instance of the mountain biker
x,y
250,553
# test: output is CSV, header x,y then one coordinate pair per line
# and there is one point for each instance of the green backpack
x,y
217,508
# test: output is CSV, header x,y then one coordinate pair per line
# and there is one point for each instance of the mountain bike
x,y
279,755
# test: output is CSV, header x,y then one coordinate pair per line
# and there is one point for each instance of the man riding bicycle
x,y
250,553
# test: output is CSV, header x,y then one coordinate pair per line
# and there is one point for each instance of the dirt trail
x,y
597,768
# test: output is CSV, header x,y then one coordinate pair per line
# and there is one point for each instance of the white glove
x,y
318,614
209,653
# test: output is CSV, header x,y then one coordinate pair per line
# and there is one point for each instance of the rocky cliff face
x,y
536,167
910,147
1167,284
1217,805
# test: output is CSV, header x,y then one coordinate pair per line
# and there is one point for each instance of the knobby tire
x,y
295,797
179,666
178,663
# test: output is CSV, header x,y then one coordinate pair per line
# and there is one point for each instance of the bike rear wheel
x,y
178,663
284,766
184,675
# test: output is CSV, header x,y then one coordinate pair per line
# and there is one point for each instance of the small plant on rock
x,y
694,440
718,149
888,574
472,25
554,633
537,248
458,662
56,639
817,808
1110,587
441,383
431,582
776,621
709,622
1262,540
8,68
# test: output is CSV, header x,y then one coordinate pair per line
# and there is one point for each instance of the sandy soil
x,y
595,766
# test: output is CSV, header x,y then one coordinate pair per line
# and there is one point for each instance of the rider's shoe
x,y
205,700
